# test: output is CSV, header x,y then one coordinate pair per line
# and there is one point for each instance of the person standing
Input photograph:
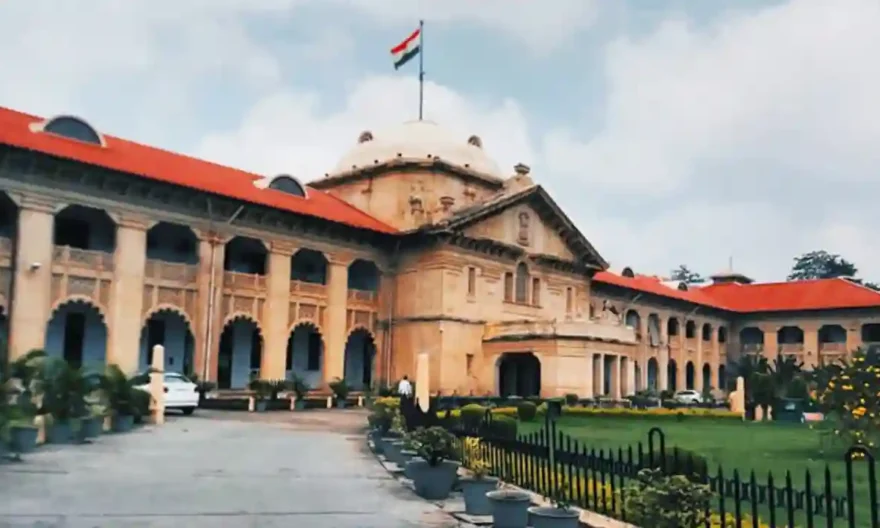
x,y
404,388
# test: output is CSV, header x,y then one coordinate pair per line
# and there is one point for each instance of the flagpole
x,y
421,68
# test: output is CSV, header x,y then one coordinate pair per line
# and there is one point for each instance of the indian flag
x,y
406,50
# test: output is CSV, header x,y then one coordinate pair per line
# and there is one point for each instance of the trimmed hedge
x,y
653,413
526,411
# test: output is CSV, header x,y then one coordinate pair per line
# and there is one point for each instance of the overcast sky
x,y
683,134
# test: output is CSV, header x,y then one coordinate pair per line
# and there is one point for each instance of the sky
x,y
676,132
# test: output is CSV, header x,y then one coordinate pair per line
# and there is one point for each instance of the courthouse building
x,y
415,242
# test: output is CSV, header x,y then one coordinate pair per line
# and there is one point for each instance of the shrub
x,y
571,399
652,413
681,462
434,444
472,416
526,411
657,500
340,388
503,426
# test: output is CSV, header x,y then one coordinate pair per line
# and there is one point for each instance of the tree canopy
x,y
821,264
685,275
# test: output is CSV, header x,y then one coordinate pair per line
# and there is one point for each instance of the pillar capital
x,y
132,221
36,202
282,247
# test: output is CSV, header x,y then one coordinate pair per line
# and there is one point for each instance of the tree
x,y
851,397
821,265
685,275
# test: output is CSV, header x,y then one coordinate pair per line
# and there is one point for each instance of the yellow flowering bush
x,y
675,414
851,398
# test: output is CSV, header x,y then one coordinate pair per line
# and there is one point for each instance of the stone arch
x,y
169,326
305,354
309,265
653,372
360,358
521,282
634,320
165,307
83,227
77,332
690,329
706,332
722,377
244,254
672,327
690,376
707,377
518,374
240,353
78,298
288,184
363,275
672,375
654,330
72,127
173,242
722,334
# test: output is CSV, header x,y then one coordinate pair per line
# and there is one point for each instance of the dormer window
x,y
73,128
288,184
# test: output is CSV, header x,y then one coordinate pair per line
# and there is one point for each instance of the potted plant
x,y
510,508
123,400
262,393
65,389
559,514
300,391
340,391
435,474
92,425
475,486
19,385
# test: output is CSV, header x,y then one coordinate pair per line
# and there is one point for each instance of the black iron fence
x,y
554,464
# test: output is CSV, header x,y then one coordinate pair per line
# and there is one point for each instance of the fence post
x,y
872,485
656,431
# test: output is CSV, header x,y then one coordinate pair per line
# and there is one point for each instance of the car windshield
x,y
175,378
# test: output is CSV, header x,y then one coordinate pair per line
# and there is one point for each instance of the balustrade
x,y
81,261
362,296
161,271
307,288
237,280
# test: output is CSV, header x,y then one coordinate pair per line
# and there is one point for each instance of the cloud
x,y
763,123
541,26
289,133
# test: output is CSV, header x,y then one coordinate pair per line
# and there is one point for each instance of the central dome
x,y
417,140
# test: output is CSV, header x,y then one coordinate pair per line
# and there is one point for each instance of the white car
x,y
688,397
180,392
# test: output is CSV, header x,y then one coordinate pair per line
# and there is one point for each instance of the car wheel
x,y
187,411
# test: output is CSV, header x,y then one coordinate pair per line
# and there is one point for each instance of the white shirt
x,y
404,388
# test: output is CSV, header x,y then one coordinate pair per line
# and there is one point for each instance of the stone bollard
x,y
360,401
157,385
329,402
252,405
293,403
423,394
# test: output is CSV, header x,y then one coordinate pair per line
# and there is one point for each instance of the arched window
x,y
627,272
287,185
522,283
73,128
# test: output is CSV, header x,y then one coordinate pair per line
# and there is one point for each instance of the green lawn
x,y
746,447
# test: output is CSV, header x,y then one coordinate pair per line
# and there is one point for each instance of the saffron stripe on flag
x,y
400,48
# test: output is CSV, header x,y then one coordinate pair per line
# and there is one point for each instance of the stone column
x,y
31,304
771,344
335,334
157,385
600,376
811,345
276,315
616,377
663,356
591,391
125,313
698,368
207,249
853,337
630,373
212,251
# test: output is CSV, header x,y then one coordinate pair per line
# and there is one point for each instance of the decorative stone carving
x,y
609,314
446,202
416,206
523,236
308,311
242,304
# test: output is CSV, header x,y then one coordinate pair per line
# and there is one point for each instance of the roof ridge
x,y
858,285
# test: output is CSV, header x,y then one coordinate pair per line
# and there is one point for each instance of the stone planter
x,y
91,427
510,508
392,451
23,438
122,423
340,404
59,433
299,404
261,405
474,490
433,482
552,517
406,456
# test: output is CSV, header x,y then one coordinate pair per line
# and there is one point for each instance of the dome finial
x,y
475,141
365,136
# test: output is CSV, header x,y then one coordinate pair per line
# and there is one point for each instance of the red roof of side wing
x,y
823,294
161,165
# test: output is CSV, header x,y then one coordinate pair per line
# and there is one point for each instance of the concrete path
x,y
308,469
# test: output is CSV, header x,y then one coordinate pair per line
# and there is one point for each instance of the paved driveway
x,y
306,469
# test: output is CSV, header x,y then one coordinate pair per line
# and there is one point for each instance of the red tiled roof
x,y
822,294
653,285
160,165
